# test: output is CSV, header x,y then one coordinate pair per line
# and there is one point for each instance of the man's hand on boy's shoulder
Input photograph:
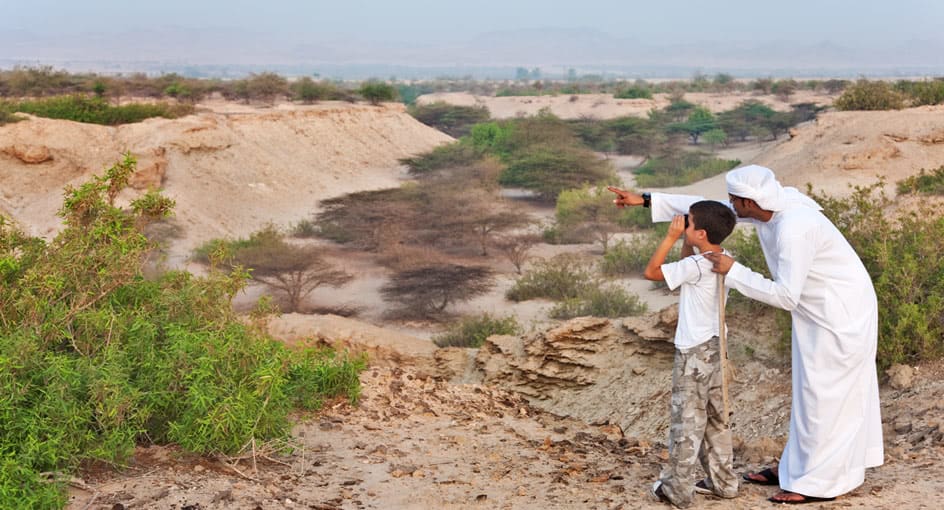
x,y
721,263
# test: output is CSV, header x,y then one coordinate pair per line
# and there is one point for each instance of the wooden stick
x,y
723,348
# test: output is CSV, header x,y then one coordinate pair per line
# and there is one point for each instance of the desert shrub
x,y
629,258
589,212
600,301
559,278
925,182
94,110
926,92
870,95
309,91
7,116
453,120
305,229
903,258
680,170
442,157
472,331
634,92
95,358
377,92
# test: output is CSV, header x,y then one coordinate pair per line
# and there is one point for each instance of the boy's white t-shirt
x,y
698,303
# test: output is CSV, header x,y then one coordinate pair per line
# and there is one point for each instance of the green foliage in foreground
x,y
562,277
930,183
903,257
95,110
94,358
472,331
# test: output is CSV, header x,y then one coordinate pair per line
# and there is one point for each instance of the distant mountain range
x,y
233,53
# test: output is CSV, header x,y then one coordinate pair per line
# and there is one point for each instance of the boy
x,y
698,427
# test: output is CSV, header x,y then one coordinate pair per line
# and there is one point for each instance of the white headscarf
x,y
759,184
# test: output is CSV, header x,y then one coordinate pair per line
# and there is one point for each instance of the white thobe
x,y
835,422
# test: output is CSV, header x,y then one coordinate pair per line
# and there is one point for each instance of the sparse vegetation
x,y
600,301
377,92
562,277
929,183
95,110
472,331
680,169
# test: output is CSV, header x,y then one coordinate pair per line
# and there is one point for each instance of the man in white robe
x,y
835,423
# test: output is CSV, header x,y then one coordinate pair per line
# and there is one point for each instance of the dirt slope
x,y
231,169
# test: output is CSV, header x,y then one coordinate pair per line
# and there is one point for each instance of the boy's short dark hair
x,y
715,218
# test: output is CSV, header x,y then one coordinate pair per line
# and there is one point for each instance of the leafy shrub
x,y
600,301
472,331
634,92
925,182
926,92
903,258
308,91
95,110
442,157
682,170
559,278
95,358
870,95
627,258
377,92
549,169
453,120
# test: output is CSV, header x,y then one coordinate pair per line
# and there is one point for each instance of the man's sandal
x,y
765,477
794,498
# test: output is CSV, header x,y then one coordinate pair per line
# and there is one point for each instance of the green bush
x,y
629,258
926,93
902,255
95,110
442,157
453,120
472,331
870,95
680,171
559,278
600,301
634,92
377,92
95,358
931,183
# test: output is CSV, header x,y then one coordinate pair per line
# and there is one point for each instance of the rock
x,y
29,154
900,377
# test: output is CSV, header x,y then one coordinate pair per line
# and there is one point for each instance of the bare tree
x,y
516,248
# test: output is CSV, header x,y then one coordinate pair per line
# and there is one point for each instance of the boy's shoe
x,y
702,487
657,492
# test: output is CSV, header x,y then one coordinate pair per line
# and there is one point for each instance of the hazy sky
x,y
847,22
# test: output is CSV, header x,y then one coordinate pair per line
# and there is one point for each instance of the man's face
x,y
739,204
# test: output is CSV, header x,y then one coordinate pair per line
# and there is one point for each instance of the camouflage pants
x,y
698,429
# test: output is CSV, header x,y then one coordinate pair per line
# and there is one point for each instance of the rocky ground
x,y
419,441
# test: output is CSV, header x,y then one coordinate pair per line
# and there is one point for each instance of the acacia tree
x,y
296,270
589,211
426,291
